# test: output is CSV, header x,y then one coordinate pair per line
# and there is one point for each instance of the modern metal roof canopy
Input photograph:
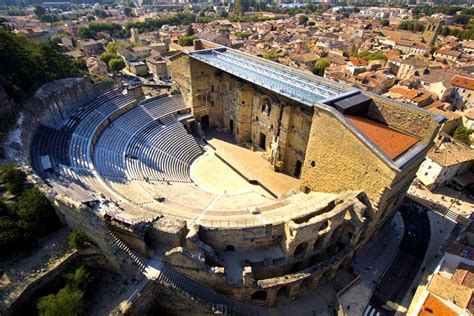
x,y
283,80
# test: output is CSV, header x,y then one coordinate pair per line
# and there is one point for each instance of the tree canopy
x,y
27,64
26,217
69,300
187,40
463,134
320,66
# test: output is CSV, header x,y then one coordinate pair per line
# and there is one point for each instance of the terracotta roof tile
x,y
433,306
463,82
407,93
392,142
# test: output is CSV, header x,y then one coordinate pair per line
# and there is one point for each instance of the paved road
x,y
395,282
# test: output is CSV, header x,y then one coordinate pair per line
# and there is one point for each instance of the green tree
x,y
127,11
80,279
384,22
320,66
116,64
49,18
68,301
271,55
107,56
28,63
76,239
15,11
239,8
302,20
462,134
10,234
187,40
243,35
12,178
189,30
34,207
39,11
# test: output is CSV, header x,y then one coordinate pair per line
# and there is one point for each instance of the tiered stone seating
x,y
79,152
79,115
161,107
175,141
110,164
51,142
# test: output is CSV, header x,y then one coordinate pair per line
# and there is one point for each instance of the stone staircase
x,y
206,295
158,271
137,257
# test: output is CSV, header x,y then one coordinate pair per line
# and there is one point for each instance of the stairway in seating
x,y
137,257
160,272
205,294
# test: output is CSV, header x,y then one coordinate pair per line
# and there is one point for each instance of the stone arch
x,y
314,260
296,267
300,250
266,105
283,291
260,295
324,225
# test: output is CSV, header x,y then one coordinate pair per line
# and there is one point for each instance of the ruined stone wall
x,y
157,299
24,304
250,238
246,110
294,136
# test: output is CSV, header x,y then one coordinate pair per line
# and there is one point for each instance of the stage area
x,y
251,165
211,174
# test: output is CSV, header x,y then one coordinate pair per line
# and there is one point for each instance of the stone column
x,y
294,290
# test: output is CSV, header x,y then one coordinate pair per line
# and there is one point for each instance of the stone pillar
x,y
247,277
313,281
294,290
271,296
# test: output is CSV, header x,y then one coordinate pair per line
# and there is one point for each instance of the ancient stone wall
x,y
336,160
24,304
180,71
248,111
157,299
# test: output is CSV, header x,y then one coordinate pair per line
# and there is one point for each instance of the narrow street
x,y
396,280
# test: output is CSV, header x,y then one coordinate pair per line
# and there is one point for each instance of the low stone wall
x,y
157,299
52,280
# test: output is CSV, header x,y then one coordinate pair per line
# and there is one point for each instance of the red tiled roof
x,y
463,82
433,306
449,52
392,142
357,61
407,93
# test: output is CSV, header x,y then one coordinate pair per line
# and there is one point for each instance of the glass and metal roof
x,y
294,84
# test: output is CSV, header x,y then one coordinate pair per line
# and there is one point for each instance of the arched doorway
x,y
205,121
259,296
300,250
283,291
297,267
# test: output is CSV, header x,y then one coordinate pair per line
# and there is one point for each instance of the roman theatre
x,y
251,181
